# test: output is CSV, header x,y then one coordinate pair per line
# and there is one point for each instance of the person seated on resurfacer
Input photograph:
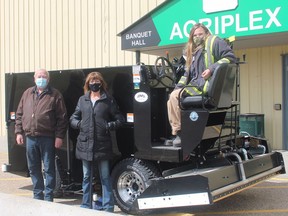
x,y
204,52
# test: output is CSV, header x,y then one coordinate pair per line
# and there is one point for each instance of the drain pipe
x,y
239,163
138,58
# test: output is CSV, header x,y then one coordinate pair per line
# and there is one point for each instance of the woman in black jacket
x,y
95,115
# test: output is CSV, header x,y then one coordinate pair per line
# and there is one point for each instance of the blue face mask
x,y
41,82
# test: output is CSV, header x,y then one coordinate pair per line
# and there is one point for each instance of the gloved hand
x,y
111,125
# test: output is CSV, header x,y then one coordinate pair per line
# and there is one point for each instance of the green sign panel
x,y
171,23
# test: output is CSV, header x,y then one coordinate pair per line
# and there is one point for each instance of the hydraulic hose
x,y
239,163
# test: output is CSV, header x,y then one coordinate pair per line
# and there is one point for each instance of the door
x,y
285,100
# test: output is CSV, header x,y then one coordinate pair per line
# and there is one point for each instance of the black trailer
x,y
213,161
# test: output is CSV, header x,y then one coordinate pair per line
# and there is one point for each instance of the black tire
x,y
130,178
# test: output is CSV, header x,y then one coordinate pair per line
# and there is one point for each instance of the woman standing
x,y
95,115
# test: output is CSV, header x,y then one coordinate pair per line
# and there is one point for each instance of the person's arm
x,y
61,118
117,117
61,121
18,119
222,53
75,119
183,80
18,122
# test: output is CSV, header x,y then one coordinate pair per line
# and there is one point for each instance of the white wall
x,y
65,34
261,88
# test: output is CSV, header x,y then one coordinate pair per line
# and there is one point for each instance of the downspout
x,y
138,60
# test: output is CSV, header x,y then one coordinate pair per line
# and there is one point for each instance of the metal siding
x,y
119,26
261,88
2,78
128,20
36,32
91,60
84,33
65,34
99,29
267,83
77,33
105,33
277,115
71,37
21,36
113,32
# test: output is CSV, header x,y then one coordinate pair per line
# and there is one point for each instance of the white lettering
x,y
176,31
138,35
238,28
216,31
186,29
138,43
207,22
273,17
223,24
230,21
254,19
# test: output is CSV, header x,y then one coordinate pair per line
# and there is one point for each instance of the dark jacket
x,y
43,115
94,123
221,53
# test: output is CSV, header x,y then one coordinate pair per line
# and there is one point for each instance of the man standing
x,y
42,117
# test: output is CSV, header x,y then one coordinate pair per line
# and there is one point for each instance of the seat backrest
x,y
220,90
221,85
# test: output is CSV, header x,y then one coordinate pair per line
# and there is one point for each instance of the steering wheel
x,y
164,69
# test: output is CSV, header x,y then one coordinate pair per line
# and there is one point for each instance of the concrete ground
x,y
267,198
16,196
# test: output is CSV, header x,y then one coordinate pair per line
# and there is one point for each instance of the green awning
x,y
167,26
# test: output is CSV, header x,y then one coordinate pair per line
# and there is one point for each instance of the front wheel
x,y
130,178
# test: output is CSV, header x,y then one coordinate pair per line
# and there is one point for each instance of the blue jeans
x,y
40,149
107,194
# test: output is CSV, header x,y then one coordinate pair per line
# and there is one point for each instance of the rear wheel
x,y
130,178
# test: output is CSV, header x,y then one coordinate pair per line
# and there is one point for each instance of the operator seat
x,y
220,91
201,114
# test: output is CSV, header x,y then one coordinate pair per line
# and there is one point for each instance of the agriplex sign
x,y
171,23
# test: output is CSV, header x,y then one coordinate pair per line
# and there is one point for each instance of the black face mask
x,y
95,87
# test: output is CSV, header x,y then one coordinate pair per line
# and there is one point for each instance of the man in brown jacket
x,y
42,117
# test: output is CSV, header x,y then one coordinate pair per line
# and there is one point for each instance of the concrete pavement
x,y
16,196
17,205
268,198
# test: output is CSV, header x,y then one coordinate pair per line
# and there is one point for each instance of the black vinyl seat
x,y
220,91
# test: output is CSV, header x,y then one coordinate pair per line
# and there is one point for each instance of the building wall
x,y
65,34
261,88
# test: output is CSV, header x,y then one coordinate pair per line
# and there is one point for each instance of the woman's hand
x,y
206,74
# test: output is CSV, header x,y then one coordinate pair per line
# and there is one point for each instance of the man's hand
x,y
206,74
19,139
58,142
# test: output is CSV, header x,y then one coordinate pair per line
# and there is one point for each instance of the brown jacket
x,y
43,115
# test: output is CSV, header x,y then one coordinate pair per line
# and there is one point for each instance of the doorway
x,y
285,100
